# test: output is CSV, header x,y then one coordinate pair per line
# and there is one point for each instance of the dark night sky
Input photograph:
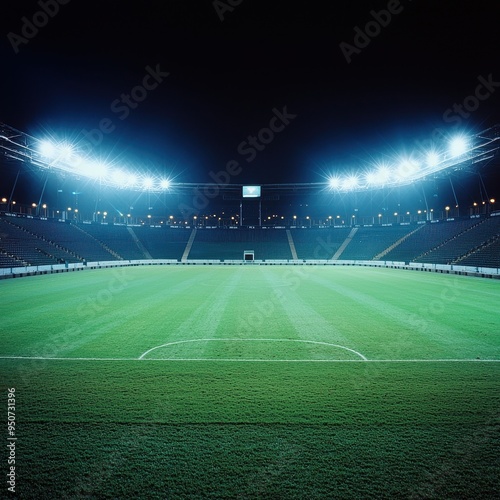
x,y
227,76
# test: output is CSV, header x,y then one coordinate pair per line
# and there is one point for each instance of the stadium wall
x,y
483,272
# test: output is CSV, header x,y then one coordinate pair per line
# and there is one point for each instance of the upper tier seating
x,y
489,256
229,244
428,237
318,243
27,248
29,241
368,242
464,242
117,238
163,242
69,236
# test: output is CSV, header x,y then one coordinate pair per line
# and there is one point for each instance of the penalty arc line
x,y
250,340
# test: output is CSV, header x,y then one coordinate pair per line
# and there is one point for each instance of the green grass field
x,y
252,382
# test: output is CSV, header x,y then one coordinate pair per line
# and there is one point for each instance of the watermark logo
x,y
227,6
373,28
31,27
459,112
471,103
248,149
123,106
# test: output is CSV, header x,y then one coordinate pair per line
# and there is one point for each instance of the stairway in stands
x,y
189,244
139,244
101,244
348,240
397,243
35,248
432,255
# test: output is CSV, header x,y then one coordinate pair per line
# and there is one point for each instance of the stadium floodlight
x,y
47,149
147,183
119,177
371,178
378,177
131,180
164,183
458,146
432,159
334,182
92,169
65,152
383,174
350,182
406,169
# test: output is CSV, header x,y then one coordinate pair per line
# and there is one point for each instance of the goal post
x,y
248,255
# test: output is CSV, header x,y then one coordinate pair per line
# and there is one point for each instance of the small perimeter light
x,y
148,183
165,184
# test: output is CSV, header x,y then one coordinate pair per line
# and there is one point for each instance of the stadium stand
x,y
6,261
318,243
117,238
429,237
229,244
24,247
68,236
451,250
30,241
488,254
163,242
368,242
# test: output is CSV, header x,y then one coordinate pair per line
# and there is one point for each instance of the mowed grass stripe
x,y
352,393
397,320
305,320
385,316
356,307
208,304
110,310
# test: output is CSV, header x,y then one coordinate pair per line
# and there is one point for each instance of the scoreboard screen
x,y
251,191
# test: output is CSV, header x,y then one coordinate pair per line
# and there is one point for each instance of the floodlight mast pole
x,y
483,188
427,213
41,194
455,196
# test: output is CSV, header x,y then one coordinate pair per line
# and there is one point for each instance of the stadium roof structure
x,y
458,153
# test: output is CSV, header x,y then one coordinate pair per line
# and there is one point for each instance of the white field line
x,y
254,340
41,358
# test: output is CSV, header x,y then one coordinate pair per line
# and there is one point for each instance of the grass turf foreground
x,y
332,427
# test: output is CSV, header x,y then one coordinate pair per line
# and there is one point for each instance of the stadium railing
x,y
485,272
